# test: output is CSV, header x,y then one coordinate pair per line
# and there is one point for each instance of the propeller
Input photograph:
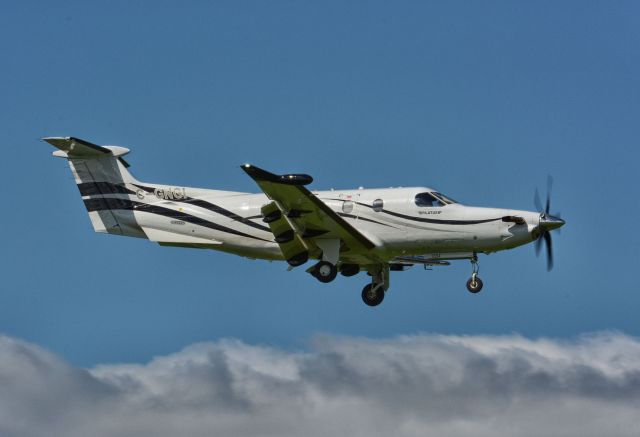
x,y
547,223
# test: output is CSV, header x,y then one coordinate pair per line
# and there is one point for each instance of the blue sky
x,y
480,100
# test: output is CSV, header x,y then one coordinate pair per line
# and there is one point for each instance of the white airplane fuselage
x,y
347,231
400,228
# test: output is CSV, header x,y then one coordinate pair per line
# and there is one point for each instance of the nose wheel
x,y
373,294
474,284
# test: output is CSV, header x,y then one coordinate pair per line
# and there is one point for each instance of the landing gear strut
x,y
324,271
474,284
373,293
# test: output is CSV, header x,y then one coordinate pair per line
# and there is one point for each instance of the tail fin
x,y
104,183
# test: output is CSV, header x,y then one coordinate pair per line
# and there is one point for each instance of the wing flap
x,y
291,244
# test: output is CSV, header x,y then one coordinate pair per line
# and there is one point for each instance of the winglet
x,y
259,174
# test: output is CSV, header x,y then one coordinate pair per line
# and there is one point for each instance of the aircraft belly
x,y
266,251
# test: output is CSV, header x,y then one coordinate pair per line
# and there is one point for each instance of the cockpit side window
x,y
427,199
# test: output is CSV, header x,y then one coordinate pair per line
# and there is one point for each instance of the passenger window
x,y
426,199
347,206
378,205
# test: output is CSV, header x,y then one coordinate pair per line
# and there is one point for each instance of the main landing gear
x,y
372,294
474,284
324,271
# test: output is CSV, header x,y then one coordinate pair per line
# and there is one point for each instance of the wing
x,y
310,218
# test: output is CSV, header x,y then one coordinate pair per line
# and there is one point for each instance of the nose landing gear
x,y
474,284
373,294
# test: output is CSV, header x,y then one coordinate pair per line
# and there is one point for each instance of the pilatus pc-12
x,y
342,231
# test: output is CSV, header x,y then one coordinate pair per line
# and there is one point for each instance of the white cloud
x,y
423,385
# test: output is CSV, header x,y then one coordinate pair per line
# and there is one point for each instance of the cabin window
x,y
427,199
347,206
378,205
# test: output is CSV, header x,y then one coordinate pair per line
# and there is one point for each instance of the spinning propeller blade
x,y
548,223
549,185
538,245
536,201
547,241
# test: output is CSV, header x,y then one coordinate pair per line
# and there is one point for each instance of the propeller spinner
x,y
547,223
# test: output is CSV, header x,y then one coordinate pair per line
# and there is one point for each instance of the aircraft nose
x,y
549,222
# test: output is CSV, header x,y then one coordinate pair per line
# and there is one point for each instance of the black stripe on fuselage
x,y
342,214
214,208
93,188
108,203
427,220
147,189
220,210
439,222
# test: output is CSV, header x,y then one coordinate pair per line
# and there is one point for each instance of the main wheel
x,y
474,285
349,269
372,296
325,271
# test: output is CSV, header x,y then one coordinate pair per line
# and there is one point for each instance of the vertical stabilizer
x,y
104,182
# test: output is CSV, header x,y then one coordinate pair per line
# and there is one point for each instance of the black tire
x,y
349,269
372,298
474,288
325,272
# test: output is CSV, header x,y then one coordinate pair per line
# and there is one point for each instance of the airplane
x,y
344,231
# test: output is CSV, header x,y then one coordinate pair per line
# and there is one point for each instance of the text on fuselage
x,y
170,193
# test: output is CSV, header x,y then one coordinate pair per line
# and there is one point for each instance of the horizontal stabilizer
x,y
71,147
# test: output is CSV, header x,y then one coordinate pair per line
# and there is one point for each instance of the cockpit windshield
x,y
432,199
427,199
446,199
